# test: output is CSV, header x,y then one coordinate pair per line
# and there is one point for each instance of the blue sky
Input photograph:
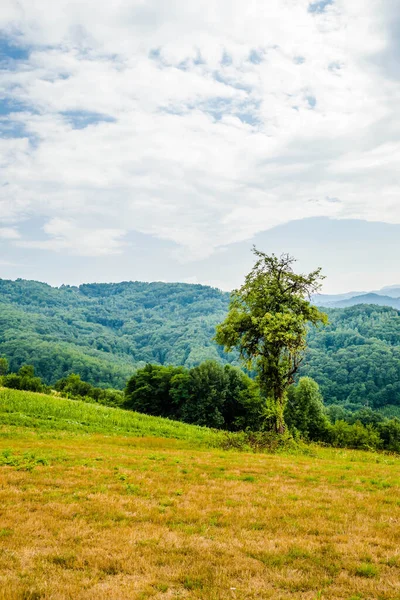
x,y
153,140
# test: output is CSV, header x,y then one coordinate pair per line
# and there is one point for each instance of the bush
x,y
24,380
389,431
260,441
357,436
305,411
73,387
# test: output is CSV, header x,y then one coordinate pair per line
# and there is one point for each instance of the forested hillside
x,y
356,358
104,331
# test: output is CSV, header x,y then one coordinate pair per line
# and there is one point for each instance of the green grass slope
x,y
49,413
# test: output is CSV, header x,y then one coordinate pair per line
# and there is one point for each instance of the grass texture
x,y
51,413
96,504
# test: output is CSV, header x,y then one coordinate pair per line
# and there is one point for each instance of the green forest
x,y
222,398
104,332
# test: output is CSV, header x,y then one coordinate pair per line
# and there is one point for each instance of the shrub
x,y
24,380
357,436
73,387
305,410
260,441
389,431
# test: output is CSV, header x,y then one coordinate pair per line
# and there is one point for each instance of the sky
x,y
160,139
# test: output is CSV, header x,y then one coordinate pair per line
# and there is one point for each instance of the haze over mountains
x,y
387,296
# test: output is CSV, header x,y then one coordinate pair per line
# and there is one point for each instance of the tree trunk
x,y
280,403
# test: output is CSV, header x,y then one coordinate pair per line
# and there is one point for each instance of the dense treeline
x,y
210,394
69,387
223,397
103,332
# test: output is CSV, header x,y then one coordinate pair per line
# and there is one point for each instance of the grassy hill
x,y
96,504
104,331
45,413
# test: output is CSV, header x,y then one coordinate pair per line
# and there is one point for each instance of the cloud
x,y
9,233
198,123
65,235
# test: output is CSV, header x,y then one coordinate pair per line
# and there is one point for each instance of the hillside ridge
x,y
105,331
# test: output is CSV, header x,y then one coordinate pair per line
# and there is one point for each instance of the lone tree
x,y
267,322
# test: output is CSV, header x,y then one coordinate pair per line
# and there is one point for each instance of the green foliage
x,y
305,411
209,394
103,332
389,432
364,428
27,371
344,435
153,390
244,406
356,358
390,411
222,397
4,366
24,380
267,323
73,387
364,415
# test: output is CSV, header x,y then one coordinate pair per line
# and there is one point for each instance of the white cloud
x,y
9,233
223,119
67,235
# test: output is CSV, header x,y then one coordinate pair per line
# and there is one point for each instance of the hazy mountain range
x,y
387,296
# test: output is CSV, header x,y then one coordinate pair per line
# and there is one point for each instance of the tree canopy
x,y
210,394
267,322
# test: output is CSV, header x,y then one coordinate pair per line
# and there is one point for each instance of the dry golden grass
x,y
95,517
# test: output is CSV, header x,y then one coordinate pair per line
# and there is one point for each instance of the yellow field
x,y
98,517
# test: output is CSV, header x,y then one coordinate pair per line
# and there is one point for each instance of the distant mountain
x,y
371,298
390,290
387,296
331,299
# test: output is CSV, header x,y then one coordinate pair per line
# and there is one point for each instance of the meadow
x,y
100,503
